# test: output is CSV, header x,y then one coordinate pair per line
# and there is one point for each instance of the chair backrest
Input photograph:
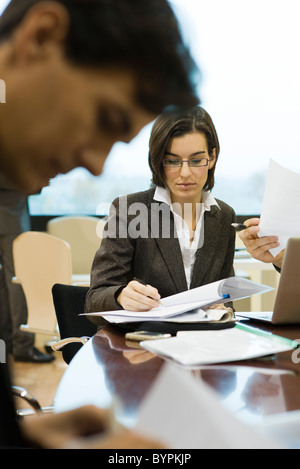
x,y
40,261
69,303
83,233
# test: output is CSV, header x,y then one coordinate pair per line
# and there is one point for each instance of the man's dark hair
x,y
142,35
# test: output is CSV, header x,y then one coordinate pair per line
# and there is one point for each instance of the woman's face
x,y
186,182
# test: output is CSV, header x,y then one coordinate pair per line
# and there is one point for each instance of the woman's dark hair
x,y
177,124
141,35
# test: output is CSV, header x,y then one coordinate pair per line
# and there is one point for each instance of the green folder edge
x,y
254,330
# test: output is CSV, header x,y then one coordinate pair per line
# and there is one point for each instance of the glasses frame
x,y
188,162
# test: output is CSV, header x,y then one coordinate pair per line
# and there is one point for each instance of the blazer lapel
x,y
212,227
167,243
171,253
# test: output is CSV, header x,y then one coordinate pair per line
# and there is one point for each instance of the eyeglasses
x,y
193,162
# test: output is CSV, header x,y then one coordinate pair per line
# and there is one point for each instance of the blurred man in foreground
x,y
80,75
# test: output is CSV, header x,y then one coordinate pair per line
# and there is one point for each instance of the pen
x,y
143,283
238,226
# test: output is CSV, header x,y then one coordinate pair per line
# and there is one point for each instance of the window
x,y
248,56
126,170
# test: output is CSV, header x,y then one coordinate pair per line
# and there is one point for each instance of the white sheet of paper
x,y
195,298
284,427
184,413
198,315
192,348
280,215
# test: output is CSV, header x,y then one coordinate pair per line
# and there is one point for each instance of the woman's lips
x,y
186,185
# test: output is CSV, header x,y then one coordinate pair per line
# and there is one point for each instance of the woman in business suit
x,y
173,236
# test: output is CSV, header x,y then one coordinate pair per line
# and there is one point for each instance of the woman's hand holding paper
x,y
259,248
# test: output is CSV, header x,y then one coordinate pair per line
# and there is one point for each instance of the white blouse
x,y
188,247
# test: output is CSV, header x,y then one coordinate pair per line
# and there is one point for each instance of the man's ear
x,y
44,27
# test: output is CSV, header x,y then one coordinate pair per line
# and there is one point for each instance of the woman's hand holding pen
x,y
137,296
259,248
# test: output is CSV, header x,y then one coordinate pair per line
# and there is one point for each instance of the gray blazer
x,y
155,259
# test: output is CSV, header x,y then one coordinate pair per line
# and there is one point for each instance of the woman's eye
x,y
173,162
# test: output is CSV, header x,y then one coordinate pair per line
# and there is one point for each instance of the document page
x,y
229,289
222,291
280,215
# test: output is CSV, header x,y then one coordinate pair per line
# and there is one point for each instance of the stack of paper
x,y
242,342
187,306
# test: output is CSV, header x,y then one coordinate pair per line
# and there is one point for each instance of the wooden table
x,y
107,366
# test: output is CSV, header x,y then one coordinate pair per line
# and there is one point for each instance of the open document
x,y
280,215
188,306
191,348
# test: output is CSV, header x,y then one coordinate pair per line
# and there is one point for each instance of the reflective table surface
x,y
109,368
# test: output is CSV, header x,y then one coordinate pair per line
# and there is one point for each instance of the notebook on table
x,y
287,303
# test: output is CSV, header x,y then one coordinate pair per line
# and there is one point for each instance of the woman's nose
x,y
185,168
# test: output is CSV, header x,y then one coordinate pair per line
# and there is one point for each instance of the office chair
x,y
84,234
40,261
74,330
35,407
